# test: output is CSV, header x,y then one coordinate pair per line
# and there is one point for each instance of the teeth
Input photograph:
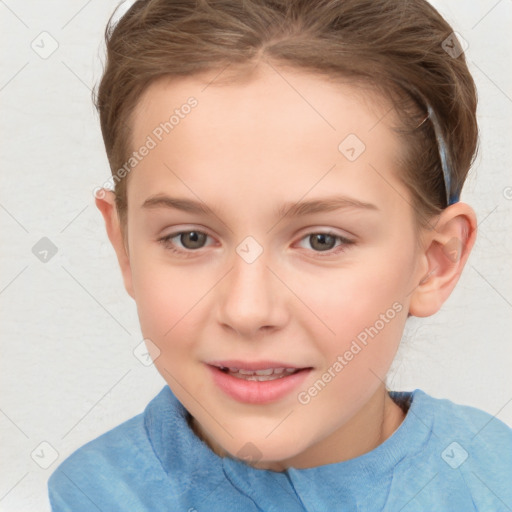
x,y
246,372
268,371
261,378
261,375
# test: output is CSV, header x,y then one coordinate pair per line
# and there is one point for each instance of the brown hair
x,y
395,46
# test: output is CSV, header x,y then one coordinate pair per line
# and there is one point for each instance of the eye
x,y
190,240
325,243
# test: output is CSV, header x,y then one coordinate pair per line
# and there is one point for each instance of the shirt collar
x,y
196,469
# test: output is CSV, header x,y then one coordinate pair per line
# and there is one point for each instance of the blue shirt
x,y
443,457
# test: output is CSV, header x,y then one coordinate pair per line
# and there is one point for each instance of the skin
x,y
248,147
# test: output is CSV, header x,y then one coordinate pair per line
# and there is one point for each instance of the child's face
x,y
244,151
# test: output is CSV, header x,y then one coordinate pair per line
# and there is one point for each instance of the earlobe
x,y
105,202
447,249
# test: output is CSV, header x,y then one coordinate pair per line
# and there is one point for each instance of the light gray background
x,y
68,373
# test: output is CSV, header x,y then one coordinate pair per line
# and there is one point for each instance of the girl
x,y
287,177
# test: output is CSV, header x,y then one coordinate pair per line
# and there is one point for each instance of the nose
x,y
252,299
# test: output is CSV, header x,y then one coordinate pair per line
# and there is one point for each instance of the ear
x,y
446,249
105,202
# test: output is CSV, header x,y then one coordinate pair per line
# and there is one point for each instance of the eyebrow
x,y
289,209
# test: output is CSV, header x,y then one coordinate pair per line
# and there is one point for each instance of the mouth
x,y
258,382
258,370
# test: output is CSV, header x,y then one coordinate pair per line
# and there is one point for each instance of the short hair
x,y
401,48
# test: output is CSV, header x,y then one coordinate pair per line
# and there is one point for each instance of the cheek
x,y
363,308
165,297
364,317
173,305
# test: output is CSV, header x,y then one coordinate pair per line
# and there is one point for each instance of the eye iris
x,y
322,238
196,237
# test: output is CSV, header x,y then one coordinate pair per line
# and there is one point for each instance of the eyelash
x,y
166,242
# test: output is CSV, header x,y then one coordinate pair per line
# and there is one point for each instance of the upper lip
x,y
254,365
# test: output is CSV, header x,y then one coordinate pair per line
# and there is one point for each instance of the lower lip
x,y
255,392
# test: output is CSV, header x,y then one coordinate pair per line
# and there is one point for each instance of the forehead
x,y
275,128
265,93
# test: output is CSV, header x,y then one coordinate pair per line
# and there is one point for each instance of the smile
x,y
257,386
